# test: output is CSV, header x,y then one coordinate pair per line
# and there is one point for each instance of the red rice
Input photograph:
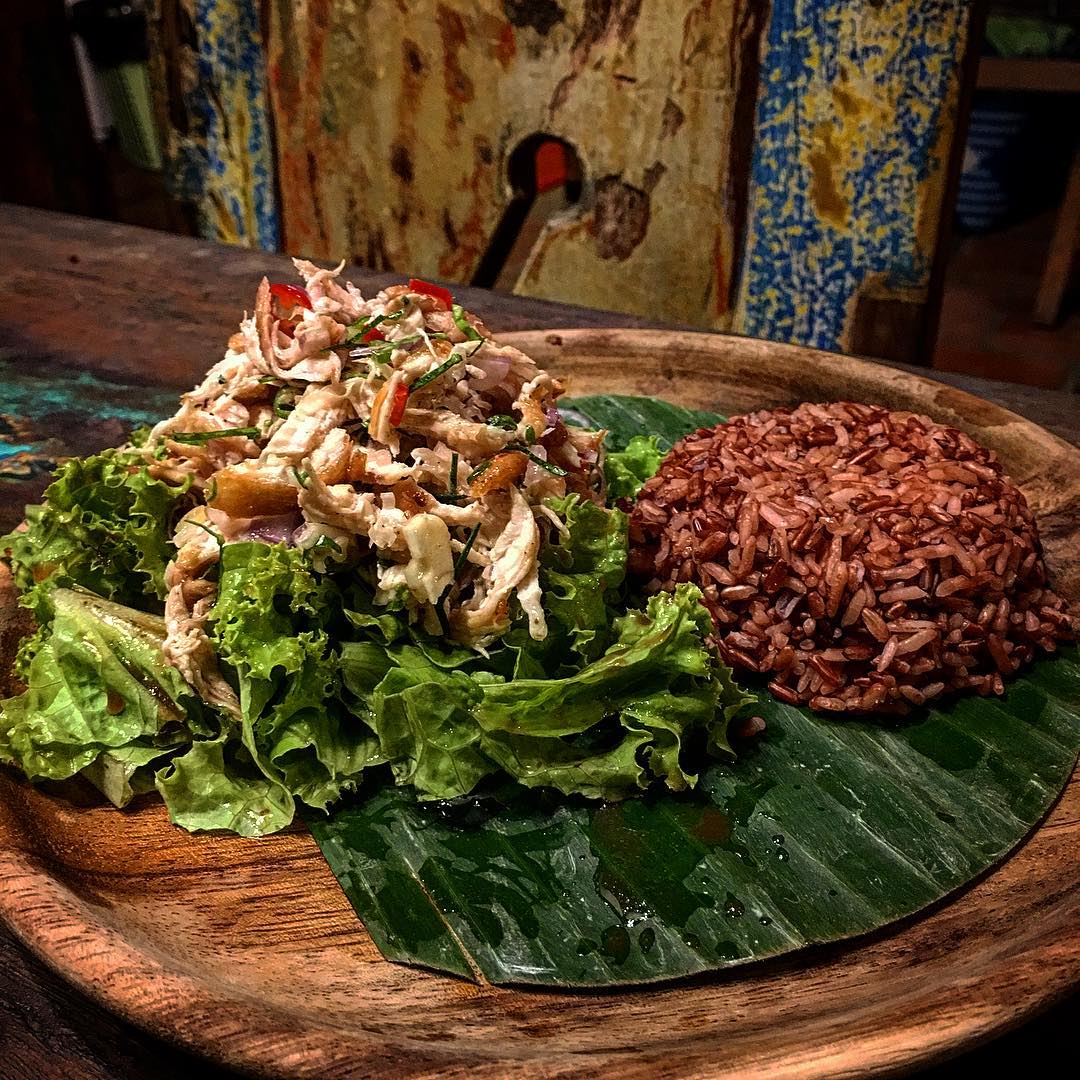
x,y
866,560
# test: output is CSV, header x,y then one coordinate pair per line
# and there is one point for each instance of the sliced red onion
x,y
270,530
495,367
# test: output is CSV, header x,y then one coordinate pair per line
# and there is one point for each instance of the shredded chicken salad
x,y
367,545
394,429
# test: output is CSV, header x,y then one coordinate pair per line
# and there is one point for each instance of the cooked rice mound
x,y
864,560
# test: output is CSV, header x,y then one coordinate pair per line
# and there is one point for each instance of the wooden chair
x,y
1046,77
773,170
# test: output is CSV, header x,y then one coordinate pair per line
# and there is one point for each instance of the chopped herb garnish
x,y
324,542
530,435
383,355
271,379
221,379
300,476
470,331
453,472
440,611
553,469
284,402
478,471
434,373
451,498
201,438
386,349
211,491
501,420
354,333
213,532
464,556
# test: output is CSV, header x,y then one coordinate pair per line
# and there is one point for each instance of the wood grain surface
x,y
144,308
249,952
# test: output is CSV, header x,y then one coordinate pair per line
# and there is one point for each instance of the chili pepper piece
x,y
436,292
401,398
291,295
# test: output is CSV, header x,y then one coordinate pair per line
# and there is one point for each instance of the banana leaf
x,y
821,830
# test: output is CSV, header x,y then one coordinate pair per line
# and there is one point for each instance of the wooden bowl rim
x,y
83,946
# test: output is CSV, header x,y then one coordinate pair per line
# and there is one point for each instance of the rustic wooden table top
x,y
93,311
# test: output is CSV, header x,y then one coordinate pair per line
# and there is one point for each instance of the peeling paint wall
x,y
208,72
395,124
855,124
776,170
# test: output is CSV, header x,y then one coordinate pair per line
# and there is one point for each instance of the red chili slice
x,y
291,295
437,292
374,334
397,410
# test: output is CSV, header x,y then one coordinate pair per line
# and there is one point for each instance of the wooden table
x,y
100,308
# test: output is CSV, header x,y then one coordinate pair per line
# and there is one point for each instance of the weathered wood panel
x,y
395,127
855,125
208,72
780,172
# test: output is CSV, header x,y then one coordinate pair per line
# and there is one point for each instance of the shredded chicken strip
x,y
464,436
513,560
339,505
317,413
187,646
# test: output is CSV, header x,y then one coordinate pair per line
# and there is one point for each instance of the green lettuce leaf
x,y
658,678
269,626
580,573
317,747
609,729
268,622
427,730
626,470
216,785
122,773
100,698
422,714
104,524
381,623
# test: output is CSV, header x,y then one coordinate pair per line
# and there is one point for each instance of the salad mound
x,y
366,543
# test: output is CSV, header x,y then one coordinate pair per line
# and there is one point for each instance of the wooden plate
x,y
248,952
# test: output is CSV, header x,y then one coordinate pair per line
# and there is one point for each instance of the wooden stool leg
x,y
1063,247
